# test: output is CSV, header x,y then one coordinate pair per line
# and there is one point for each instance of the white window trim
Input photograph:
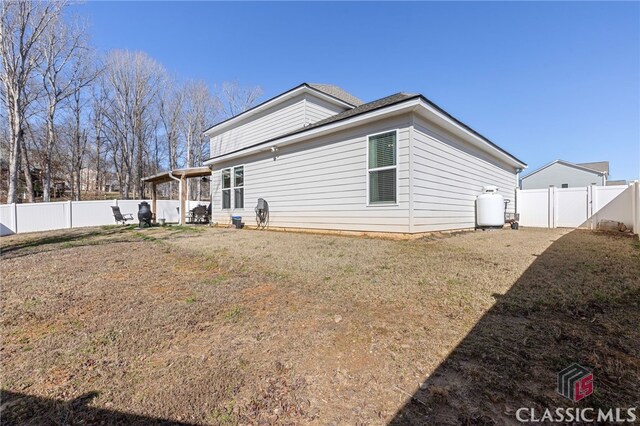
x,y
222,188
232,188
367,169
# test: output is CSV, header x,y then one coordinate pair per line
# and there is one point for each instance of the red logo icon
x,y
575,382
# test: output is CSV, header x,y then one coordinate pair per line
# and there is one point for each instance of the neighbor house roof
x,y
386,102
601,166
581,166
337,92
616,182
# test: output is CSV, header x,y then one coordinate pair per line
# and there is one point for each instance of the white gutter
x,y
288,140
479,142
418,105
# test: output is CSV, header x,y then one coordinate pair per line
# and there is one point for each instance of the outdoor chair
x,y
119,217
199,214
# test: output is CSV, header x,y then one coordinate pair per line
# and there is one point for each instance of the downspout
x,y
179,195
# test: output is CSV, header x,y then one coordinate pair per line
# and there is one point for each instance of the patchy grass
x,y
294,329
233,314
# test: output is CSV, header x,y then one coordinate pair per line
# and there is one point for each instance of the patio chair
x,y
119,217
199,214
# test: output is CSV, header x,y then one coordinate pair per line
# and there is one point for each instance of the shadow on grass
x,y
578,302
63,239
22,409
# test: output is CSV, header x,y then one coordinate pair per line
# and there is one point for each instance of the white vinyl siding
x,y
319,109
322,183
448,176
290,115
271,123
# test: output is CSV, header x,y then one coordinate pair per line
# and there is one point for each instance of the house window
x,y
233,184
226,188
382,168
238,187
565,185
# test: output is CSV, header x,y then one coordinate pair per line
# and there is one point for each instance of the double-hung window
x,y
238,187
226,188
233,183
382,169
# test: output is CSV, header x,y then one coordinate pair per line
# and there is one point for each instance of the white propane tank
x,y
490,208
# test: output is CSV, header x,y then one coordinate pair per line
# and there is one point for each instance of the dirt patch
x,y
222,326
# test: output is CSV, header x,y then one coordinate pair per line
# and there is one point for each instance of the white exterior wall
x,y
448,175
321,183
290,115
317,109
558,174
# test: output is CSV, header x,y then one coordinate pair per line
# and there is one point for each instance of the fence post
x,y
590,199
70,215
551,213
635,207
14,211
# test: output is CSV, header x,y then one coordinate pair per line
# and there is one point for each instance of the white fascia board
x,y
437,117
416,105
273,102
320,131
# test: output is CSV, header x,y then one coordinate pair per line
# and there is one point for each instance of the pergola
x,y
178,175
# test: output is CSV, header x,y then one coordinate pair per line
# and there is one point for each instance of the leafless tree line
x,y
92,121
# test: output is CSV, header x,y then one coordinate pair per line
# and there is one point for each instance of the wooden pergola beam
x,y
154,199
183,199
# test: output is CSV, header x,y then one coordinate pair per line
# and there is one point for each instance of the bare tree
x,y
65,65
99,104
133,80
200,108
236,98
22,26
171,116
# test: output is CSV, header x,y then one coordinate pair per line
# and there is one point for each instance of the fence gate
x,y
584,207
571,207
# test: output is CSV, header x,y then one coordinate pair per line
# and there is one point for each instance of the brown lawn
x,y
214,326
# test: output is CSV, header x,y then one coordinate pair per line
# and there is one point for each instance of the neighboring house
x,y
617,182
323,159
563,174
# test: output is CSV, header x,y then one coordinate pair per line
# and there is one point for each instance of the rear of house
x,y
323,159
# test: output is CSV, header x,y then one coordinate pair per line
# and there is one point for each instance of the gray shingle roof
x,y
389,100
600,166
337,92
364,108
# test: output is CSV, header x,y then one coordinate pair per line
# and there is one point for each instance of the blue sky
x,y
544,80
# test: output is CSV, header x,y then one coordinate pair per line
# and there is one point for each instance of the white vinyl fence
x,y
19,218
584,207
